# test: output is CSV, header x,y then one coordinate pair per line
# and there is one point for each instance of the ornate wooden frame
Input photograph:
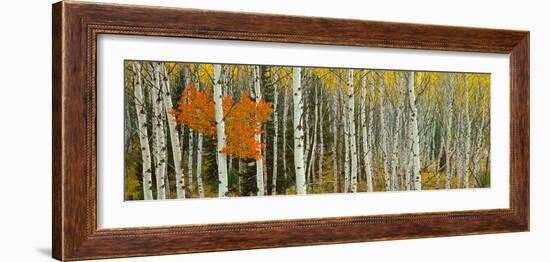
x,y
76,26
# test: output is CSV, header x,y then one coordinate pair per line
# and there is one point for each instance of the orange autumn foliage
x,y
195,109
243,120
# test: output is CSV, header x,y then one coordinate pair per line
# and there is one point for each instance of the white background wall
x,y
25,129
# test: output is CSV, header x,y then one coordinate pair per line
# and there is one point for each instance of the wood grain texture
x,y
76,26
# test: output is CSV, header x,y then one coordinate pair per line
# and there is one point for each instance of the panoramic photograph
x,y
198,130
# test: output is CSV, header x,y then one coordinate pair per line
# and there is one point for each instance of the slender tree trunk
x,y
275,137
334,117
240,180
198,169
439,157
258,137
285,114
306,129
407,157
174,136
467,143
264,154
384,132
448,125
158,131
479,147
313,147
220,132
433,160
321,140
127,122
370,140
345,117
459,153
141,113
200,187
298,131
396,130
352,137
413,122
363,113
190,151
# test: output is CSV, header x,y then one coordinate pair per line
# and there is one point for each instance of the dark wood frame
x,y
76,26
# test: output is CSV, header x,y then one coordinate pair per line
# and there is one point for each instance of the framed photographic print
x,y
193,131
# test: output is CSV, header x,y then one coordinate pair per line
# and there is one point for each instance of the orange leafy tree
x,y
243,120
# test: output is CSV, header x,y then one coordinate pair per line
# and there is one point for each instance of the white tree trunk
x,y
198,169
479,150
352,137
220,133
478,155
396,130
174,136
276,135
285,113
370,139
321,140
190,150
158,131
298,131
363,114
384,132
141,113
200,188
413,122
334,144
467,143
345,117
458,144
258,137
310,170
448,125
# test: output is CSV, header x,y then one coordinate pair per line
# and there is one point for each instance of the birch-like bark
x,y
306,129
187,78
383,132
468,131
258,137
174,135
313,146
413,124
198,169
285,114
344,108
352,137
334,116
396,130
365,143
127,122
479,151
190,150
158,131
439,156
321,140
457,148
275,136
298,131
220,132
448,122
370,138
142,132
